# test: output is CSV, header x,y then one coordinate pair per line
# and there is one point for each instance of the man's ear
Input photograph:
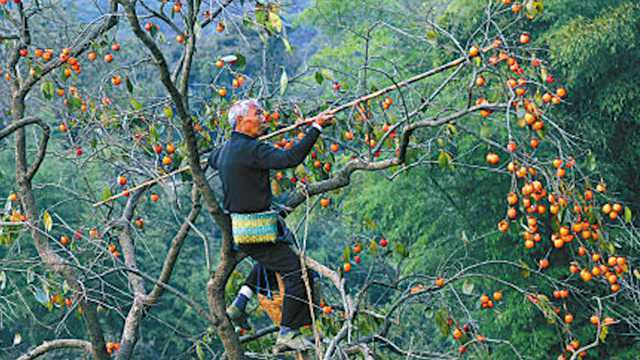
x,y
238,119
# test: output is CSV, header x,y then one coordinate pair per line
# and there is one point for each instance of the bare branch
x,y
47,346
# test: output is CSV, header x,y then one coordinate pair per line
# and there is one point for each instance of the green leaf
x,y
261,16
526,271
200,352
168,112
371,224
346,254
74,104
328,74
429,313
129,84
241,61
485,131
627,214
48,222
284,81
319,77
401,250
135,104
442,317
591,161
154,31
106,193
287,45
153,133
444,159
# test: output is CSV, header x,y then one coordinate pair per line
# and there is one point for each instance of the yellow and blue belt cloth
x,y
255,228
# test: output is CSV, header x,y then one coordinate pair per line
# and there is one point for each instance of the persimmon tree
x,y
136,130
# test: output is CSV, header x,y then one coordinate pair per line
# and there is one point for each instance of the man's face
x,y
252,124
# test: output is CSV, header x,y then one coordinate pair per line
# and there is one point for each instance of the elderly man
x,y
243,163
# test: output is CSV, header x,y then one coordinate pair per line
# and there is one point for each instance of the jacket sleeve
x,y
268,156
213,158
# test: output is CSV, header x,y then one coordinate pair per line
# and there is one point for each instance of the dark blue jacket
x,y
243,164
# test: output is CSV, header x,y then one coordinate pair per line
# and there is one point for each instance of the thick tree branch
x,y
11,128
343,177
217,282
47,346
24,174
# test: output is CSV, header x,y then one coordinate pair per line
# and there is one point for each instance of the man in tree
x,y
243,163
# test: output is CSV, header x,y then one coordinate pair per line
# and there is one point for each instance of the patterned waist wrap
x,y
255,228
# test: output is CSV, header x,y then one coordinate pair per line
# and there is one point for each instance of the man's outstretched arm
x,y
268,156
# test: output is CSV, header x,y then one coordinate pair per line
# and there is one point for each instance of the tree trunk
x,y
48,256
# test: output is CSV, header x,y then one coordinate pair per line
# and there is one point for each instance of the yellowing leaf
x,y
3,280
168,112
17,339
284,81
275,22
48,222
200,352
275,187
442,317
467,287
300,171
525,269
106,193
603,333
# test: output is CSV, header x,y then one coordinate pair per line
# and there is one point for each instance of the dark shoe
x,y
238,317
293,341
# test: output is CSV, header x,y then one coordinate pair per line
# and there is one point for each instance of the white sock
x,y
246,291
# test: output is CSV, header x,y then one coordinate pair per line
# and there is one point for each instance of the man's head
x,y
246,116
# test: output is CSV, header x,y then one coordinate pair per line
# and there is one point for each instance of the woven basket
x,y
273,306
255,228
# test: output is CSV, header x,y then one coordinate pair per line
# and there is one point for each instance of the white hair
x,y
241,108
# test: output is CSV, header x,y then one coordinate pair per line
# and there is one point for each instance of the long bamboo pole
x,y
333,111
